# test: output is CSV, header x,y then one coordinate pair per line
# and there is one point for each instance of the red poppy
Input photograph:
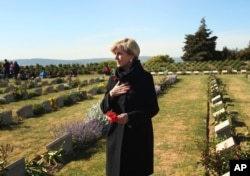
x,y
114,78
112,116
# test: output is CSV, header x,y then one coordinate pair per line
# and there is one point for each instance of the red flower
x,y
112,116
114,78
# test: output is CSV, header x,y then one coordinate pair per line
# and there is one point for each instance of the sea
x,y
44,61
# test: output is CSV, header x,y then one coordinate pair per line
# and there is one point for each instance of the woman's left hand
x,y
123,118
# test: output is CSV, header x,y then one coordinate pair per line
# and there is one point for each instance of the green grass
x,y
179,128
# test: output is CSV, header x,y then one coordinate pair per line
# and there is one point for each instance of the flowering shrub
x,y
53,103
95,112
217,162
85,132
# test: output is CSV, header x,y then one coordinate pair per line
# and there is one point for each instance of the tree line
x,y
201,46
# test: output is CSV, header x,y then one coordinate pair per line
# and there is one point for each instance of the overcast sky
x,y
79,29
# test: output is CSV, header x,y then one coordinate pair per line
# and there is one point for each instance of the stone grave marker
x,y
226,144
16,168
64,141
223,129
25,111
6,117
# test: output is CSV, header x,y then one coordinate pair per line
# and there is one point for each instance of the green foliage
x,y
35,168
38,109
52,157
217,162
160,59
158,63
200,46
76,82
95,112
67,100
59,80
49,159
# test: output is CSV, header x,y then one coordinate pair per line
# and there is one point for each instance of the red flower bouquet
x,y
112,116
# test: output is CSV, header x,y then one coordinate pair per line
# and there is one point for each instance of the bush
x,y
32,94
217,163
84,132
38,109
95,112
59,80
67,100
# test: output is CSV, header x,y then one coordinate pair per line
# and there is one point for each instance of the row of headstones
x,y
197,72
48,88
170,79
26,111
17,168
223,129
39,82
9,97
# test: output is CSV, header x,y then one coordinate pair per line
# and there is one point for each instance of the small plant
x,y
76,82
38,109
220,118
43,164
4,152
53,103
67,100
35,167
59,80
84,133
81,94
52,157
217,162
95,112
32,94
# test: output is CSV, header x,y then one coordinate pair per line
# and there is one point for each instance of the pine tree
x,y
200,46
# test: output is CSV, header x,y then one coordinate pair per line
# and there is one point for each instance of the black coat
x,y
130,147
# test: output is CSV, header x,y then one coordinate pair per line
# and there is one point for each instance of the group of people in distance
x,y
12,69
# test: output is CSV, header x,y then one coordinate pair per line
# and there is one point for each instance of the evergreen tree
x,y
200,46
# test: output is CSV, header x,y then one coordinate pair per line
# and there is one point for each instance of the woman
x,y
131,95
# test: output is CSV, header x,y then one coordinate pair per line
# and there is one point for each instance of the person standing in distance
x,y
132,97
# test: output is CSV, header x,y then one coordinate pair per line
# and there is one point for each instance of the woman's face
x,y
122,58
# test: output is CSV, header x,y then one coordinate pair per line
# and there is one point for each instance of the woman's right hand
x,y
119,89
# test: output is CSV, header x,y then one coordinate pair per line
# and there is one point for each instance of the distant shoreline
x,y
44,62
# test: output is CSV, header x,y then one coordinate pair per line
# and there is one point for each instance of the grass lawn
x,y
179,128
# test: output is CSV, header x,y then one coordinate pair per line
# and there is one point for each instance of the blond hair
x,y
128,45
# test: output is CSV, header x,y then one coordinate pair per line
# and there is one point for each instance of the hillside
x,y
44,62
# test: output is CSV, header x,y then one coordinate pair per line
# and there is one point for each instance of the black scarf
x,y
134,69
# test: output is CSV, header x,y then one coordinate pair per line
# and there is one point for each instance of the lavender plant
x,y
87,131
84,133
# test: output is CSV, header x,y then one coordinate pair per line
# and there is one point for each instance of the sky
x,y
85,29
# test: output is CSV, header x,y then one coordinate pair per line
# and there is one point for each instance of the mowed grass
x,y
179,128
